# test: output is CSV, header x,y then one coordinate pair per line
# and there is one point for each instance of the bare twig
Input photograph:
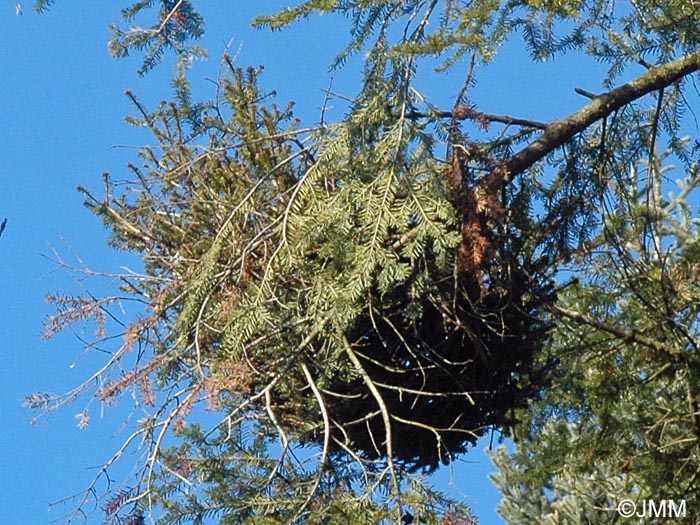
x,y
501,119
386,415
169,16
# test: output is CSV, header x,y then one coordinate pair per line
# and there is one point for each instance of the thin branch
x,y
169,16
284,440
586,93
326,441
623,333
386,414
473,115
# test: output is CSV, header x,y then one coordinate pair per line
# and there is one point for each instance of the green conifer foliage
x,y
620,419
360,301
176,25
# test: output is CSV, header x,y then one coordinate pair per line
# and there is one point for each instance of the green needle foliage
x,y
176,25
620,419
331,312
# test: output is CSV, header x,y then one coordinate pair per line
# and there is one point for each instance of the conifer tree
x,y
360,301
620,419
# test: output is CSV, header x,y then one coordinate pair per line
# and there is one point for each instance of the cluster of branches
x,y
361,301
620,419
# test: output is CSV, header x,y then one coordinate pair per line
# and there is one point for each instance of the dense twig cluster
x,y
353,309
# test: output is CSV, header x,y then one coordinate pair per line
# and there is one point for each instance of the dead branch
x,y
474,115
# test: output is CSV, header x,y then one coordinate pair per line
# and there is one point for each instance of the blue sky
x,y
62,105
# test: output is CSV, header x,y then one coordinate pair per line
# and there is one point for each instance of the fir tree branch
x,y
558,133
618,331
